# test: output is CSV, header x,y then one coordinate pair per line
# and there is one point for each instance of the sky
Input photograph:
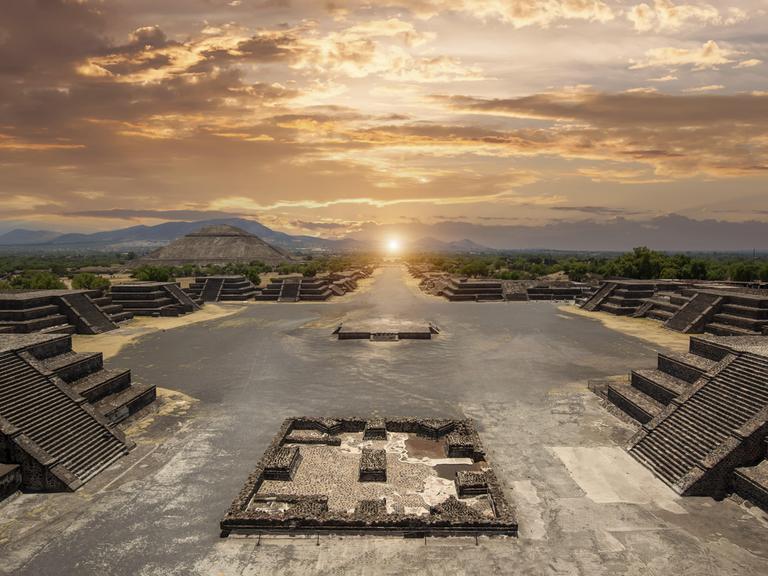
x,y
333,117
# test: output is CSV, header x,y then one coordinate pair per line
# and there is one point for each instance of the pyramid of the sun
x,y
221,244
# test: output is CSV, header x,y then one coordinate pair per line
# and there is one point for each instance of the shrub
x,y
37,281
88,281
153,274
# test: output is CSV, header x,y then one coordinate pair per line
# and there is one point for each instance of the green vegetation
x,y
254,270
641,263
154,273
62,264
32,280
89,281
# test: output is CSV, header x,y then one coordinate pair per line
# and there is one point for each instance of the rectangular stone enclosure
x,y
390,476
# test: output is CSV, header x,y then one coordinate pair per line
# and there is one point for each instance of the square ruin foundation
x,y
398,476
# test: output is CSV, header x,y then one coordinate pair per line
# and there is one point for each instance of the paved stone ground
x,y
520,369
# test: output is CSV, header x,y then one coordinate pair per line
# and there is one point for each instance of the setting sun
x,y
393,245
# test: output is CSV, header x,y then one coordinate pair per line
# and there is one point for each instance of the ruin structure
x,y
702,416
231,288
380,475
59,410
720,309
153,298
59,311
216,245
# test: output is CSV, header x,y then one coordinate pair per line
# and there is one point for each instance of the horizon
x,y
354,119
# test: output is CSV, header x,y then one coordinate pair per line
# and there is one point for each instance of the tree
x,y
88,281
37,281
153,274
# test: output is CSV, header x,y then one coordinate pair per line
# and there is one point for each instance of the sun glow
x,y
393,245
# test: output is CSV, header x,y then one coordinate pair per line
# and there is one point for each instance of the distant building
x,y
220,245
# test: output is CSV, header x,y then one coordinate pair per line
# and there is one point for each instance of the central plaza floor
x,y
519,369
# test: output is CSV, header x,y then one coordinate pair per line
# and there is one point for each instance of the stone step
x,y
102,383
684,365
29,313
59,329
72,366
659,385
745,311
719,329
751,483
36,324
740,321
117,407
659,314
632,402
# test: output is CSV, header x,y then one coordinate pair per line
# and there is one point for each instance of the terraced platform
x,y
58,440
153,299
702,414
466,290
59,311
110,392
230,288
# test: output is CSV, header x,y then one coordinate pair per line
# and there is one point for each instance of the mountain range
x,y
670,232
147,237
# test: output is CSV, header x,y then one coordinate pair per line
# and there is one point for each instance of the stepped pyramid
x,y
702,416
59,411
220,244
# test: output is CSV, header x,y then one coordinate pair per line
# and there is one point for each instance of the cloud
x,y
677,136
323,226
665,78
707,56
749,63
517,13
597,210
179,215
666,15
707,88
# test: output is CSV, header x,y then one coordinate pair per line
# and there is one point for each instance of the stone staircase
x,y
85,315
663,305
115,312
231,289
181,297
694,314
58,440
212,289
290,291
111,392
602,294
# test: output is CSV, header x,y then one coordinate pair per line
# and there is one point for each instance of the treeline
x,y
255,270
60,264
45,272
640,263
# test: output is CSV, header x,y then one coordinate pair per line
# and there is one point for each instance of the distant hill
x,y
147,237
429,244
670,232
22,236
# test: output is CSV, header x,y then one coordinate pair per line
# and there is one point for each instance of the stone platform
x,y
386,331
405,481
